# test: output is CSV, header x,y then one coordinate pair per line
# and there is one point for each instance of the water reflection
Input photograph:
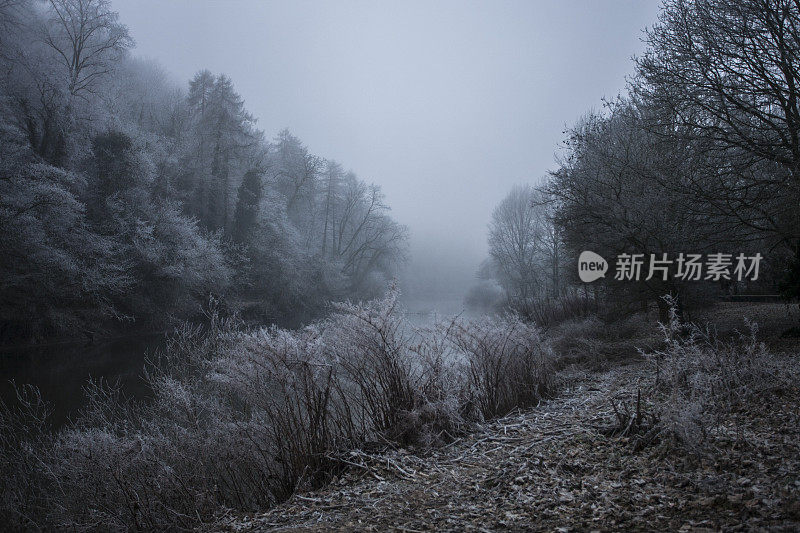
x,y
420,312
61,371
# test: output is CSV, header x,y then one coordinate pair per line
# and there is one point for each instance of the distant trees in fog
x,y
702,155
125,197
525,247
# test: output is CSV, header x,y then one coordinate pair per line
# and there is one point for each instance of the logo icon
x,y
591,266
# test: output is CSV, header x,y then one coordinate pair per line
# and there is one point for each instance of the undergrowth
x,y
241,420
701,383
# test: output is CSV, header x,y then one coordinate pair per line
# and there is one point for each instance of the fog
x,y
591,208
446,105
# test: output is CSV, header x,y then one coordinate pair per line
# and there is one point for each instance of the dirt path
x,y
552,469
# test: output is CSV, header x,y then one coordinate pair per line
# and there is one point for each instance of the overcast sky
x,y
446,105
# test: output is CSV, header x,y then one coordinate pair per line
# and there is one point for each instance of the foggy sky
x,y
446,105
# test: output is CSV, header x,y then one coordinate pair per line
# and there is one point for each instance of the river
x,y
61,371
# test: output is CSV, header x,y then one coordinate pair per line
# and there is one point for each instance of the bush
x,y
510,364
23,436
242,420
593,343
547,312
702,381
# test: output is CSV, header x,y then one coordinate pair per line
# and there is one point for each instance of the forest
x,y
130,201
291,387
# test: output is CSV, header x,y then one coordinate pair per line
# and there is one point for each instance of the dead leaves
x,y
551,469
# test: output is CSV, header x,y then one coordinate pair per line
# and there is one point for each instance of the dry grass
x,y
702,379
726,319
597,345
554,468
547,311
244,420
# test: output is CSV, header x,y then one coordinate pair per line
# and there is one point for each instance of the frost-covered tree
x,y
88,40
225,137
142,198
519,245
58,276
297,175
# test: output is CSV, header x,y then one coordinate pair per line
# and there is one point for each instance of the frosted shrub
x,y
23,436
280,384
702,380
369,345
394,383
243,419
509,364
445,409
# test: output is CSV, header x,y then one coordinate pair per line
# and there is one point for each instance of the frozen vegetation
x,y
127,199
242,419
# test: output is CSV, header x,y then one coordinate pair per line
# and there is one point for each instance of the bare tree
x,y
518,234
365,240
726,73
88,40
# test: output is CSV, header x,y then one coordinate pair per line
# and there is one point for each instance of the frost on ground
x,y
354,424
559,467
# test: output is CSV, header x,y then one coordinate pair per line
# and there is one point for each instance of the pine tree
x,y
247,203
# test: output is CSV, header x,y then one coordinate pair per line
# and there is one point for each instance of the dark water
x,y
61,371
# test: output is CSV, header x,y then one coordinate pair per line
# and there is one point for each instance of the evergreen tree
x,y
247,205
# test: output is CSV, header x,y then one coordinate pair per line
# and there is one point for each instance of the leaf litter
x,y
560,467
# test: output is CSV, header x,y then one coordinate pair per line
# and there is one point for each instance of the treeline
x,y
127,199
701,156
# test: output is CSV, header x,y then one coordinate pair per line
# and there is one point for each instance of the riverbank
x,y
565,466
589,459
251,428
553,469
242,419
